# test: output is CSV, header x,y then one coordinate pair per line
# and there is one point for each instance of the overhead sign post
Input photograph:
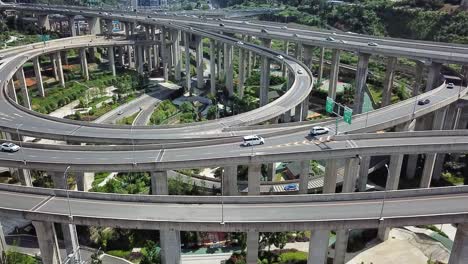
x,y
333,107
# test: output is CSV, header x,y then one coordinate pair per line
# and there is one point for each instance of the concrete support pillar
x,y
24,177
299,47
249,59
70,236
24,88
159,184
340,246
240,88
329,185
47,240
361,78
264,80
252,247
434,76
84,64
363,173
388,81
43,22
58,60
351,172
177,60
84,180
304,177
188,77
139,59
220,61
393,178
131,54
321,63
430,160
149,59
418,74
111,58
170,246
334,72
254,175
318,247
38,74
71,23
308,53
230,181
3,244
459,254
284,68
212,67
12,90
229,69
95,27
164,54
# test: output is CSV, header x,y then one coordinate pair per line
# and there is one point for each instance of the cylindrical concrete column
x,y
164,54
24,88
351,172
363,173
329,185
388,81
43,22
159,185
265,75
308,53
71,24
252,247
334,72
58,61
212,67
240,88
318,247
361,78
3,244
304,177
47,240
341,244
434,76
94,25
12,90
84,64
177,60
229,69
84,180
418,75
254,175
229,181
188,77
38,74
321,63
459,254
199,61
111,57
170,246
284,68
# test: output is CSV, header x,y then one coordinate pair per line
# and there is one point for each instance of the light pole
x,y
70,217
385,195
222,197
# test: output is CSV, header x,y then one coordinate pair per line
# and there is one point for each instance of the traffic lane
x,y
20,201
280,212
81,157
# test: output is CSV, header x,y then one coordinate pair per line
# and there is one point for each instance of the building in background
x,y
152,4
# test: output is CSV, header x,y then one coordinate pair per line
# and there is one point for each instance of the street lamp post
x,y
385,195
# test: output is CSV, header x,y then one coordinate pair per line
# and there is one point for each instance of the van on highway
x,y
253,140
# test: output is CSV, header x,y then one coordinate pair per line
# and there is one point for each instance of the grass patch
x,y
128,120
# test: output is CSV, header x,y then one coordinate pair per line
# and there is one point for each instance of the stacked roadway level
x,y
215,143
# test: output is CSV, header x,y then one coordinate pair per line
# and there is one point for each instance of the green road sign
x,y
45,37
348,113
329,105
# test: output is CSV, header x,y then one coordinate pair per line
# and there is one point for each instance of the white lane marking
x,y
17,115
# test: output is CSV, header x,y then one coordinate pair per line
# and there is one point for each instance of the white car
x,y
300,71
10,147
280,57
253,140
372,44
318,130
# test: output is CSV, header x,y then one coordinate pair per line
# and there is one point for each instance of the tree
x,y
95,258
152,255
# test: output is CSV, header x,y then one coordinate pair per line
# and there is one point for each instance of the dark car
x,y
450,86
424,102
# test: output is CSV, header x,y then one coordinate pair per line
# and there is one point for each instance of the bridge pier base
x,y
459,254
43,22
84,180
433,76
47,240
